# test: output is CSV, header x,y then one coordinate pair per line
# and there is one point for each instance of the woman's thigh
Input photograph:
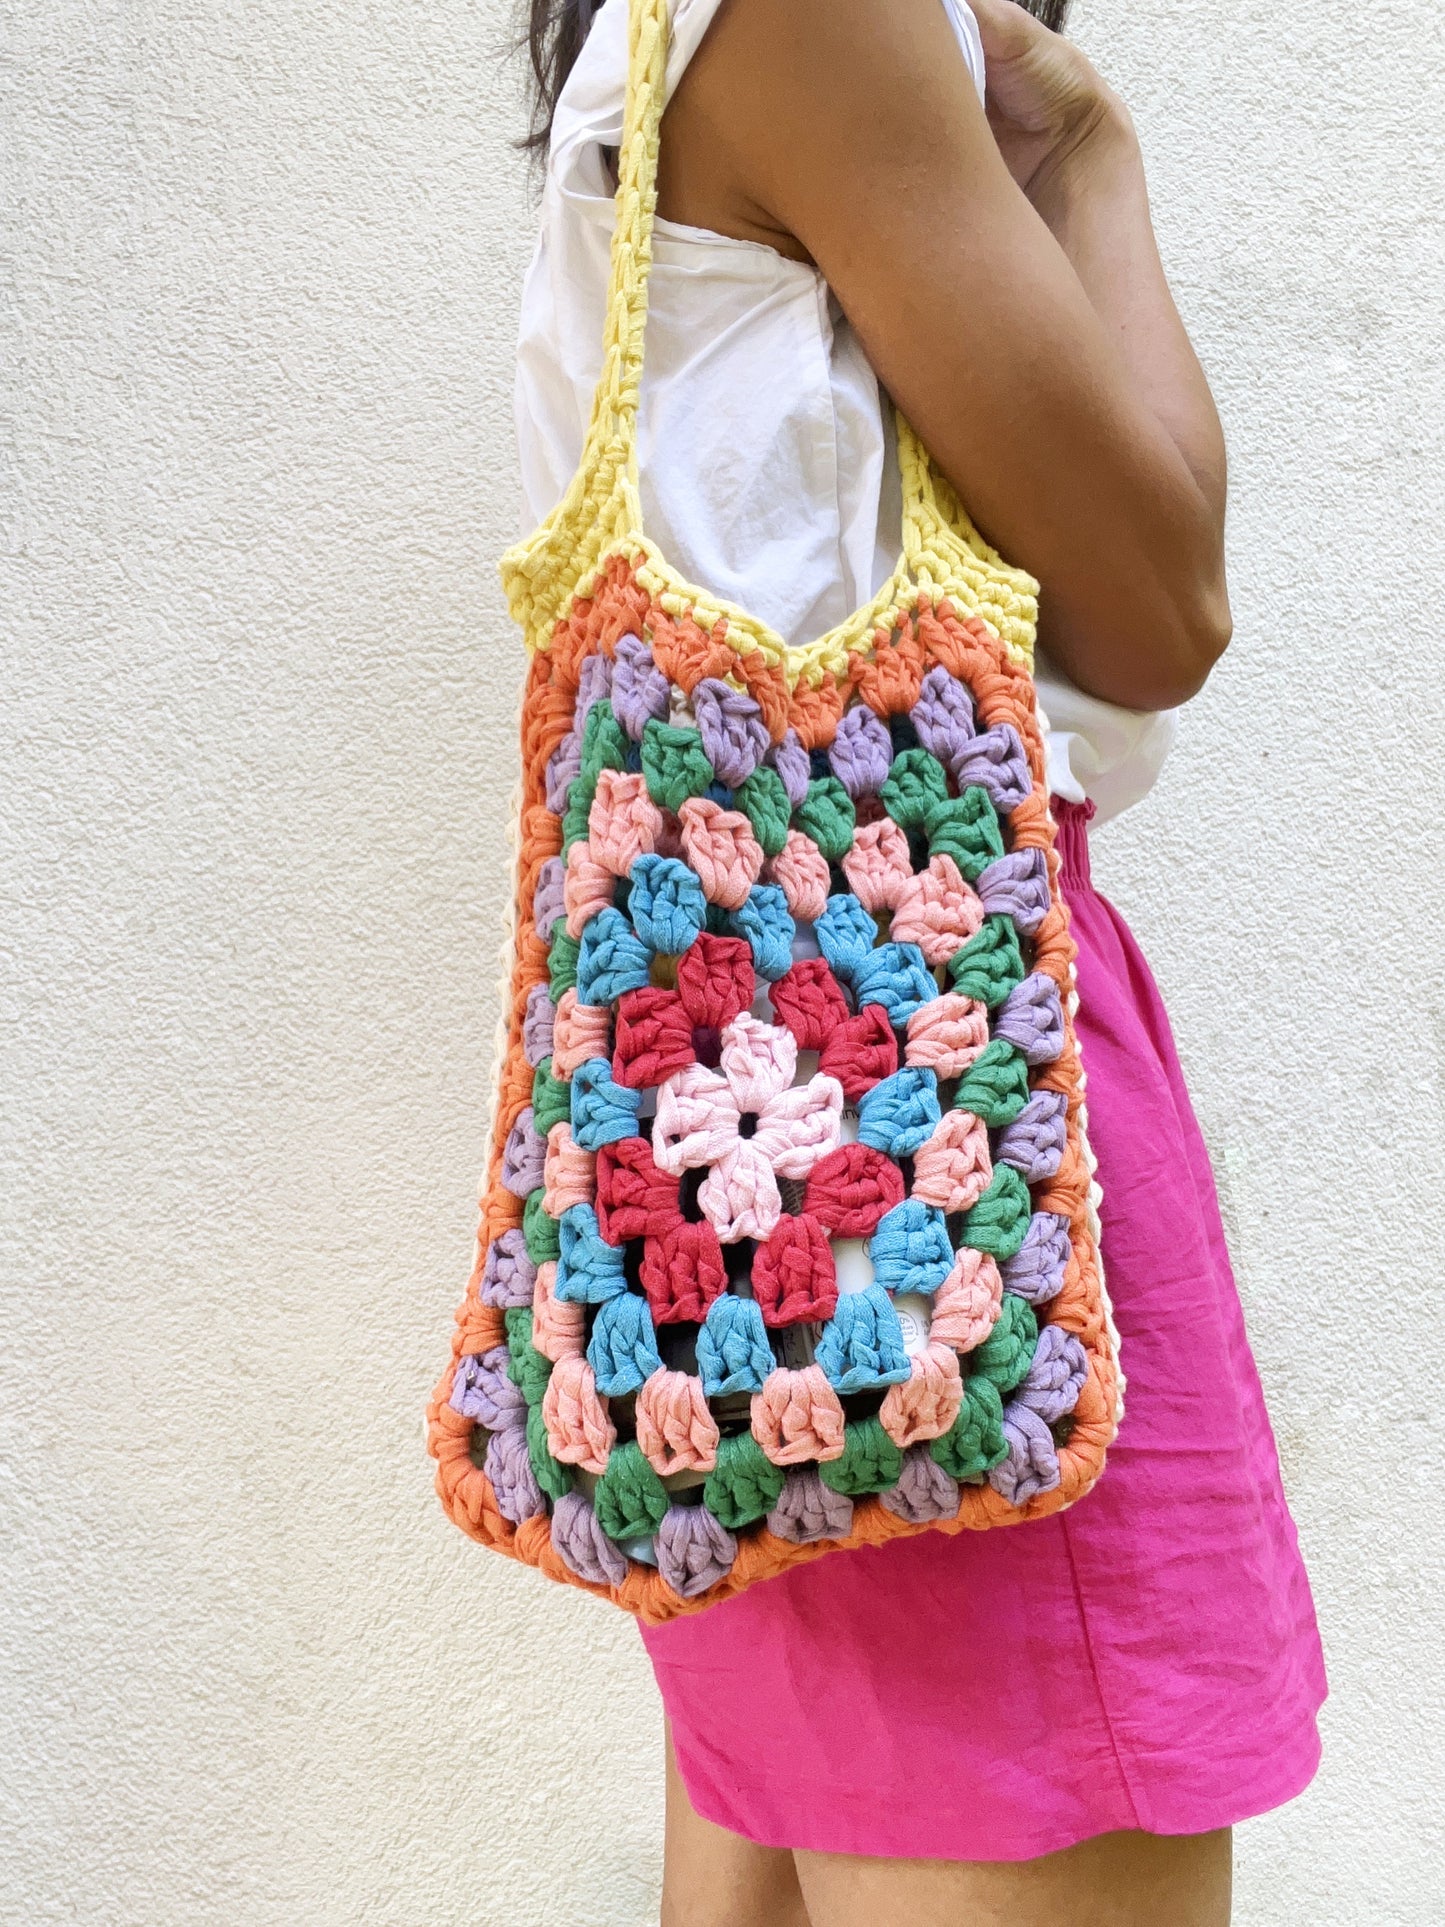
x,y
1116,1880
713,1878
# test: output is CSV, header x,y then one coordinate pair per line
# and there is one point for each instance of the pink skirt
x,y
1147,1659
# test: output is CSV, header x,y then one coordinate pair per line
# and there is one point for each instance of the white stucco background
x,y
258,716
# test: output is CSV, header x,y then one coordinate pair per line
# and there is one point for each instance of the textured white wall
x,y
258,698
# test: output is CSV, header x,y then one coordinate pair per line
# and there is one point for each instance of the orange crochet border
x,y
887,675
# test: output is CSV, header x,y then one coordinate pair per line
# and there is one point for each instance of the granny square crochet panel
x,y
789,1239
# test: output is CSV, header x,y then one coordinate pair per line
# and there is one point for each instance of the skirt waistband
x,y
1071,821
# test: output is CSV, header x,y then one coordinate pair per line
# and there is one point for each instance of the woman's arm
x,y
1005,284
1067,140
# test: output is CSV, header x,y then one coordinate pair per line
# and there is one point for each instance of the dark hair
x,y
556,30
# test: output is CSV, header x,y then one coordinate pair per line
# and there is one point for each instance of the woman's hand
x,y
1045,99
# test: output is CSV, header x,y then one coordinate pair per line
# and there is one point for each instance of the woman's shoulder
x,y
591,104
590,107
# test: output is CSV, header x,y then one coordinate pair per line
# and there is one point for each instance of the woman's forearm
x,y
1095,202
1093,197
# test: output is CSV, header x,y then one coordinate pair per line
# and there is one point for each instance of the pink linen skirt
x,y
1148,1659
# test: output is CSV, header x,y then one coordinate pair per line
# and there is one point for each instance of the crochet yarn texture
x,y
789,1237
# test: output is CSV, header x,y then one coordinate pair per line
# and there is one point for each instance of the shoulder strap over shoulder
x,y
612,433
602,504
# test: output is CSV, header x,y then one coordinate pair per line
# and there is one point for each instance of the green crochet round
x,y
914,787
575,818
1004,1357
604,741
827,815
526,1366
995,1087
551,1099
967,829
674,765
871,1462
554,1478
539,1228
562,964
974,1443
998,1222
630,1500
744,1484
990,964
764,802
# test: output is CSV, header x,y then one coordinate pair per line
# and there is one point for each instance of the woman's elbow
x,y
1179,626
1146,654
1204,629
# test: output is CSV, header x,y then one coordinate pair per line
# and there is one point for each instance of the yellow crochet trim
x,y
600,516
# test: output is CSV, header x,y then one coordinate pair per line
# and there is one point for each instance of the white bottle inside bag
x,y
915,1313
852,1264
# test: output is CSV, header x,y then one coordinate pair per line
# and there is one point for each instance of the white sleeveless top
x,y
768,472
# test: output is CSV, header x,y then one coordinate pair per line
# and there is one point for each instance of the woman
x,y
1058,1723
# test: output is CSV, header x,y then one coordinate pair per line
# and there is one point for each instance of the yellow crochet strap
x,y
942,553
932,515
601,506
611,447
612,432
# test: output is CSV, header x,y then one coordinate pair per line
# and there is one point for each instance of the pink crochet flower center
x,y
747,1124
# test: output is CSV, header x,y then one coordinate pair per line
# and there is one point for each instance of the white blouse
x,y
767,463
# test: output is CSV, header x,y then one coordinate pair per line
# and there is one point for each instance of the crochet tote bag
x,y
789,1237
